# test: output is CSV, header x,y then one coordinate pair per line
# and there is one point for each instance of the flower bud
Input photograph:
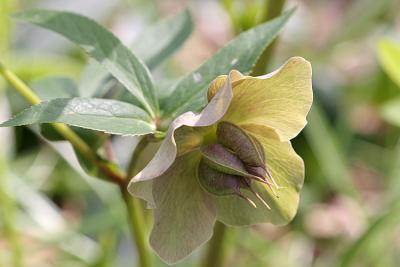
x,y
246,147
222,184
221,172
221,159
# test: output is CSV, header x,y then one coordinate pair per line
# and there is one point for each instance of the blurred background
x,y
53,214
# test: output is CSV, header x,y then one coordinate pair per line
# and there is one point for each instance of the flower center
x,y
232,163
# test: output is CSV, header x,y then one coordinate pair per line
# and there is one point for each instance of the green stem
x,y
116,176
64,130
138,228
134,208
273,8
215,253
19,86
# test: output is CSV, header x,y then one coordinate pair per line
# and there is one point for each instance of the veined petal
x,y
287,169
278,100
185,215
167,153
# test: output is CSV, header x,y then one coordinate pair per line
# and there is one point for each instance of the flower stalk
x,y
25,91
215,252
134,208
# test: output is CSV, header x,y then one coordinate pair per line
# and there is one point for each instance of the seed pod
x,y
247,148
222,184
219,158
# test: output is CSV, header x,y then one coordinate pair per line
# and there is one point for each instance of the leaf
x,y
55,87
329,154
389,57
95,80
153,46
61,87
241,54
161,40
104,47
110,116
390,111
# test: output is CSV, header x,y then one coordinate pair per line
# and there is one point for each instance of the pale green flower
x,y
192,181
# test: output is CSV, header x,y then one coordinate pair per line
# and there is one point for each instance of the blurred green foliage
x,y
349,213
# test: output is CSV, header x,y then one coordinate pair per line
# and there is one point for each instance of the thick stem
x,y
134,208
215,253
273,8
138,228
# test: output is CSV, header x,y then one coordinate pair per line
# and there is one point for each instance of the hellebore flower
x,y
233,162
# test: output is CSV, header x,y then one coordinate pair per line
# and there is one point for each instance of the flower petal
x,y
167,153
287,169
218,82
279,100
185,215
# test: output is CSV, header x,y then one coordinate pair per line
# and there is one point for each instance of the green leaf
x,y
95,81
55,87
330,156
110,116
104,47
153,46
390,111
240,54
389,57
161,40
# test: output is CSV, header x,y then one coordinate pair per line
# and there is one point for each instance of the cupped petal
x,y
143,189
167,153
218,82
278,100
185,215
287,169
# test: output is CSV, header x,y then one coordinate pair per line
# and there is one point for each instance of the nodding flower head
x,y
232,162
